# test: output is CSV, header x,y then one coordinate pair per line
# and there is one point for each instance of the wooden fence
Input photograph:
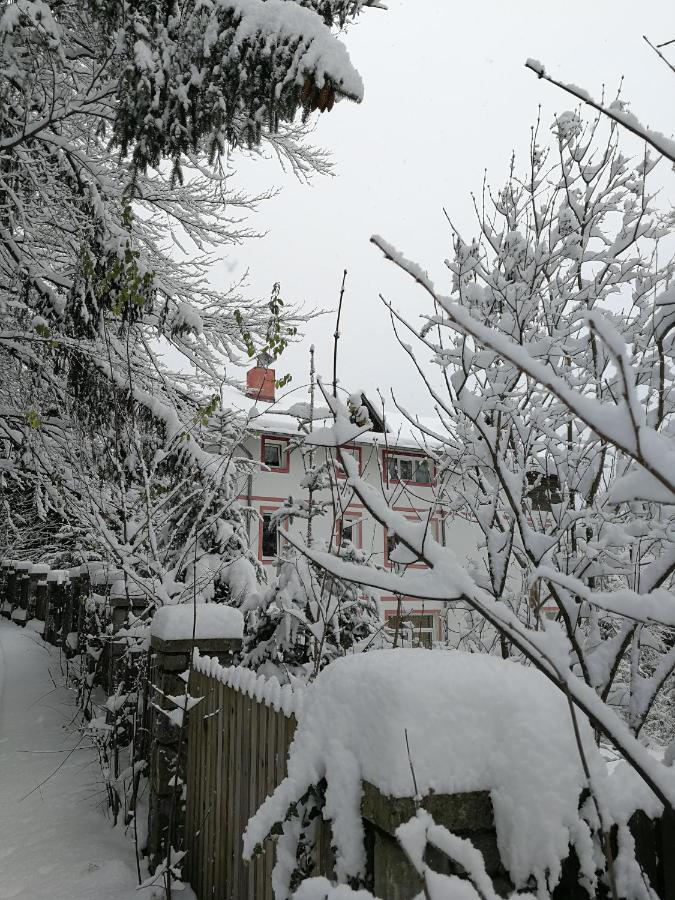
x,y
238,740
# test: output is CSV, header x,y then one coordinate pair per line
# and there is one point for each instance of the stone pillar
x,y
8,587
170,658
468,815
39,598
79,590
20,607
57,585
119,608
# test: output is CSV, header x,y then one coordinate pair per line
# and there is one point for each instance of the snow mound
x,y
209,620
472,722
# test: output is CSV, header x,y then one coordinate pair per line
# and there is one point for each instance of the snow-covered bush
x,y
411,722
304,618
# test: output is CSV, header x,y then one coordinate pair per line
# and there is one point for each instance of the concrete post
x,y
468,815
119,608
20,607
79,590
8,587
170,658
57,585
39,598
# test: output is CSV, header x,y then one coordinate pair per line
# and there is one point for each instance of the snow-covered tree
x,y
555,358
578,233
304,617
115,195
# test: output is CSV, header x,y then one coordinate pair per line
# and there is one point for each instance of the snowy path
x,y
55,841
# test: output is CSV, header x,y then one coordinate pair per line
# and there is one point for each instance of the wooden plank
x,y
254,713
193,786
244,777
212,798
234,825
203,770
189,788
219,872
231,776
221,822
194,783
261,793
272,719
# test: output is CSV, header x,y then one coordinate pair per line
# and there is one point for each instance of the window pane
x,y
422,475
405,467
270,537
391,543
347,530
392,468
273,455
414,629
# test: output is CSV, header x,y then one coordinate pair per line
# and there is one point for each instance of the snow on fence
x,y
238,740
238,737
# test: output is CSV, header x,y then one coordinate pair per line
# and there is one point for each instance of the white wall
x,y
270,489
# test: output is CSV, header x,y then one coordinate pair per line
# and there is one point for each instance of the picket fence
x,y
238,739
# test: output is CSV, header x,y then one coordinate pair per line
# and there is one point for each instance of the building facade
x,y
389,457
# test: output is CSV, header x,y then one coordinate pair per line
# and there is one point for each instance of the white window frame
x,y
415,460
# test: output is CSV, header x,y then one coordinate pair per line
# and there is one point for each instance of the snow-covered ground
x,y
55,839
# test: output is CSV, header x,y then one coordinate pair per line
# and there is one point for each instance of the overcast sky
x,y
446,97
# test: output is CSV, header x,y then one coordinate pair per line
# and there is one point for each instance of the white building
x,y
391,456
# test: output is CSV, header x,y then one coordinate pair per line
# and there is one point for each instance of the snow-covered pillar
x,y
79,591
38,597
57,582
126,602
20,605
176,631
8,587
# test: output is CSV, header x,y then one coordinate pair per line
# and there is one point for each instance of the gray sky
x,y
446,97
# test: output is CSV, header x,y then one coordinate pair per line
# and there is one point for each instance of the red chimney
x,y
260,384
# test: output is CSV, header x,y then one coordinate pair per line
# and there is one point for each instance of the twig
x,y
336,334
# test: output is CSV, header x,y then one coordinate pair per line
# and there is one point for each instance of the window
x,y
350,529
543,491
408,467
269,542
415,629
274,454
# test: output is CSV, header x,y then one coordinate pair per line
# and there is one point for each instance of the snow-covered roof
x,y
281,417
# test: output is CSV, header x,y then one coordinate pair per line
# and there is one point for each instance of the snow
x,y
280,418
282,698
473,722
204,620
54,838
318,52
121,588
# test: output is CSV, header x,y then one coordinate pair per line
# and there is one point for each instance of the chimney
x,y
260,383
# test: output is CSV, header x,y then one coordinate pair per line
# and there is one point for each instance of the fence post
x,y
467,815
8,587
20,605
171,650
37,608
57,581
124,600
